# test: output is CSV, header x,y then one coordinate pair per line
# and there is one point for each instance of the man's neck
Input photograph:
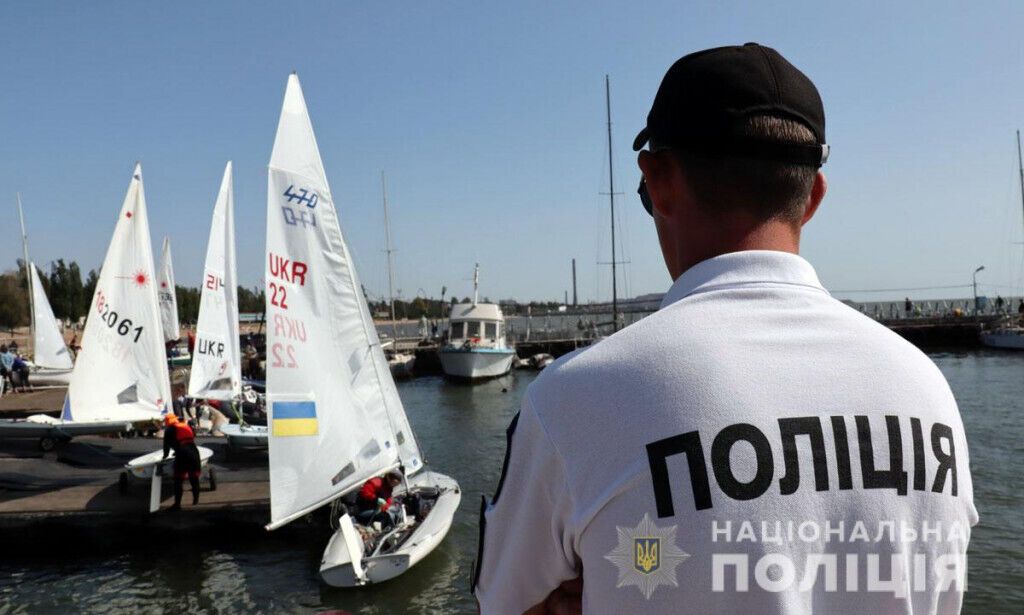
x,y
775,235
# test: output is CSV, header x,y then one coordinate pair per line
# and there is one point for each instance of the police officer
x,y
755,446
180,437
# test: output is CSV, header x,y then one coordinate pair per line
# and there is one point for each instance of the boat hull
x,y
142,467
476,364
246,437
33,427
336,567
183,360
402,365
1010,339
49,376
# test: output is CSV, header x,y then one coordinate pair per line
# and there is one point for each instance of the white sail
x,y
48,343
168,298
336,419
216,367
121,371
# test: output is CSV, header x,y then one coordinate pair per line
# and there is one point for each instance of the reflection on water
x,y
461,430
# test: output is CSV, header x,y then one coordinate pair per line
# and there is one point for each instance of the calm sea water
x,y
461,429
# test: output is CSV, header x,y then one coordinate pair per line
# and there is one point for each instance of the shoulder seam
x,y
528,396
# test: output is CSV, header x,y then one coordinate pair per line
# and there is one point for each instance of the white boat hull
x,y
476,364
142,467
401,365
1012,339
250,437
336,567
36,427
49,376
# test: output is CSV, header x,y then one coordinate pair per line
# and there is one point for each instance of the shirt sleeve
x,y
526,544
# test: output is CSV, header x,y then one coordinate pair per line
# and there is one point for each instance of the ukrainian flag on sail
x,y
294,418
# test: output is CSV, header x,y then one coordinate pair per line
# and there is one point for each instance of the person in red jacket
x,y
180,437
374,499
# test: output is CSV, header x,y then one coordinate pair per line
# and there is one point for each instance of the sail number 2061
x,y
114,321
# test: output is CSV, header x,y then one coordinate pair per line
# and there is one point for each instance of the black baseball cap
x,y
705,94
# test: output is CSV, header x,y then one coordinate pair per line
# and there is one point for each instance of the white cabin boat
x,y
475,348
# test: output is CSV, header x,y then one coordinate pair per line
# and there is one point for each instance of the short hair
x,y
765,189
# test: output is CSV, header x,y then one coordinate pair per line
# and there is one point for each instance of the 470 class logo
x,y
300,216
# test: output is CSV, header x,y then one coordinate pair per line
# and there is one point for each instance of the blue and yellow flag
x,y
294,418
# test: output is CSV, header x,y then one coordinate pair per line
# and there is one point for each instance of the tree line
x,y
70,295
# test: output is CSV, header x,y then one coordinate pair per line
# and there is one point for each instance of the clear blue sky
x,y
489,120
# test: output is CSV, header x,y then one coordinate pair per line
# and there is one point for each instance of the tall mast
x,y
388,250
1020,166
476,282
574,301
28,277
611,201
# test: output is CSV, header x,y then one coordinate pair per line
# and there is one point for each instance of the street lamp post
x,y
976,288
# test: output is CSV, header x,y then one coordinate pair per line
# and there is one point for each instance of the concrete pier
x,y
81,483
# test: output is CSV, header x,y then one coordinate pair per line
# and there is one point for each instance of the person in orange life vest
x,y
180,437
374,499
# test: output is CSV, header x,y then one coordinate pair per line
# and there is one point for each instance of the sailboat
x,y
1008,336
335,416
400,363
120,376
169,307
216,363
51,361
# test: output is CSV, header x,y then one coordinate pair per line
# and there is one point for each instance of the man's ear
x,y
818,191
658,172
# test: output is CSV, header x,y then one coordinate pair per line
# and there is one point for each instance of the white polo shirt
x,y
755,446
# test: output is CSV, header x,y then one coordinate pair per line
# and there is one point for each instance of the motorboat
x,y
476,348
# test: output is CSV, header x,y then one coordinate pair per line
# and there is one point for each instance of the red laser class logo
x,y
140,278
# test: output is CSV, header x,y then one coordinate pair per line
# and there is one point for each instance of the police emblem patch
x,y
646,556
647,552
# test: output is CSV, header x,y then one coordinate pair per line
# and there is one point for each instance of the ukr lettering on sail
x,y
287,270
210,348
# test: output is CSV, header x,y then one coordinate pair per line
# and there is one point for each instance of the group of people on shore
x,y
14,368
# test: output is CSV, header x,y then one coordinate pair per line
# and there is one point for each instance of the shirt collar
x,y
739,268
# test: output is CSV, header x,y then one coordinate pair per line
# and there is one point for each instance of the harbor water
x,y
462,432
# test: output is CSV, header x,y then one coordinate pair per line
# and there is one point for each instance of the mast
x,y
28,278
476,281
574,301
611,201
389,250
1020,166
